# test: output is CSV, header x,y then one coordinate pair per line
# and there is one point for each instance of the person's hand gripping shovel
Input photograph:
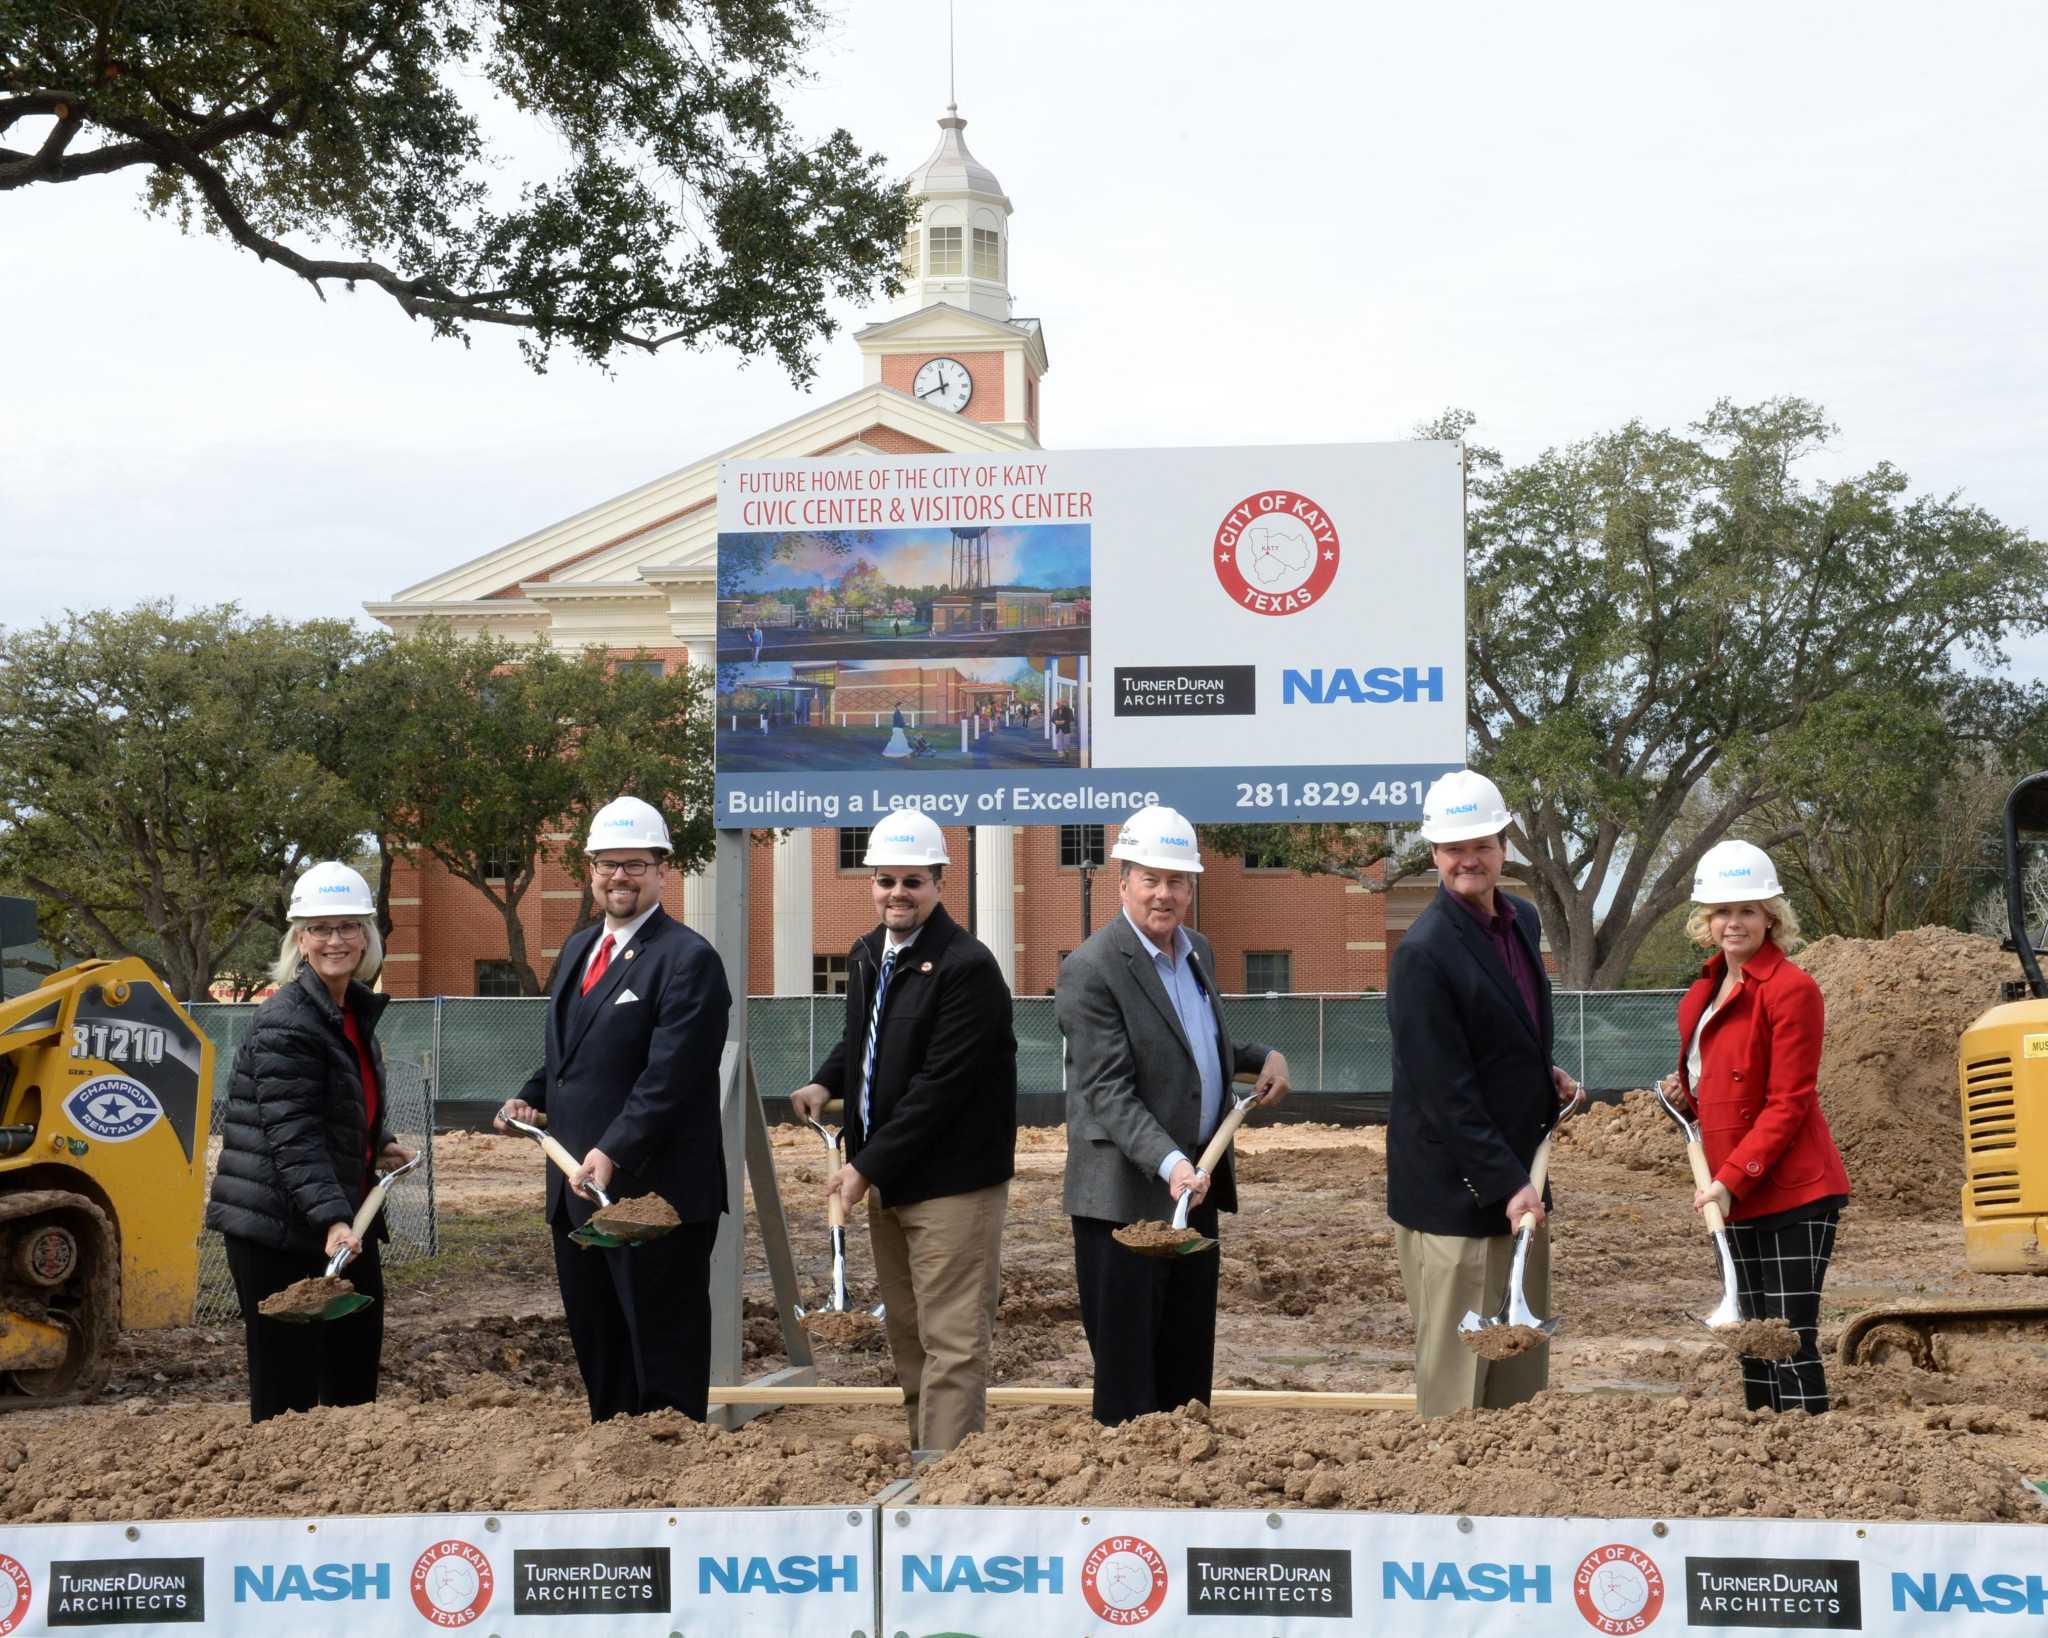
x,y
1516,1327
615,1223
329,1297
834,1321
1762,1339
1176,1239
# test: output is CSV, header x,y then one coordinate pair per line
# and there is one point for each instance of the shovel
x,y
835,1216
344,1303
1514,1306
1190,1242
595,1232
1728,1312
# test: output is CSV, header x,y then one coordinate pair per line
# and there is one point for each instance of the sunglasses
x,y
910,884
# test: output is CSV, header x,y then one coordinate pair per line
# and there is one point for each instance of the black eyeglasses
x,y
632,869
910,884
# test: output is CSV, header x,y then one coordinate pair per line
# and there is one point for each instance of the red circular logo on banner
x,y
1619,1589
19,1592
451,1583
1276,552
1124,1580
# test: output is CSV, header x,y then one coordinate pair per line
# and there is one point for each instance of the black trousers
x,y
640,1319
1151,1321
1778,1274
295,1367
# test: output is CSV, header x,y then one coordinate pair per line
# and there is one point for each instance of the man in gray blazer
x,y
1149,1066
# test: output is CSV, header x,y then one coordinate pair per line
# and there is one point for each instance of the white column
x,y
793,913
995,895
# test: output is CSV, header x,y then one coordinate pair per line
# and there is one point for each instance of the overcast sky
x,y
1271,224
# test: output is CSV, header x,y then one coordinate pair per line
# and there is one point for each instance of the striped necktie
x,y
867,1068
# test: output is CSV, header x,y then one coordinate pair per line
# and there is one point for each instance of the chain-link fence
x,y
409,1098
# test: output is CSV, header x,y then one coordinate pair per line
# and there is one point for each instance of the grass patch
x,y
481,1245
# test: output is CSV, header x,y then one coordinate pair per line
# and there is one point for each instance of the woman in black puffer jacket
x,y
305,1132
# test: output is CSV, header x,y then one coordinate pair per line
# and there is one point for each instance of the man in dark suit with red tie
x,y
637,1014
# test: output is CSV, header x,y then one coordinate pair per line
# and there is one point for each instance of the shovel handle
x,y
1696,1152
1539,1171
1212,1157
835,1211
559,1155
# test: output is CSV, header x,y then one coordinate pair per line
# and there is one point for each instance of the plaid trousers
x,y
1779,1273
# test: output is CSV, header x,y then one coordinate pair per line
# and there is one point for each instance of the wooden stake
x,y
1223,1399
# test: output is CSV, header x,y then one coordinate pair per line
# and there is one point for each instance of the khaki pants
x,y
1448,1276
939,1266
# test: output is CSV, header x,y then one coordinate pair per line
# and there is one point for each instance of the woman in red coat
x,y
1749,1033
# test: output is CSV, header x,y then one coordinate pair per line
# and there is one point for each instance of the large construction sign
x,y
1253,634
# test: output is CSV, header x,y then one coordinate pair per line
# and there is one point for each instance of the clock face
x,y
945,383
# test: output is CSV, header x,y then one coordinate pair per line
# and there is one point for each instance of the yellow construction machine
x,y
106,1089
2002,1079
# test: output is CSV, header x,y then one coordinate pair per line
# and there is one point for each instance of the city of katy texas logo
x,y
451,1583
17,1592
1276,552
1619,1589
1124,1580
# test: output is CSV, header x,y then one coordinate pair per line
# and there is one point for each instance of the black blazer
x,y
295,1136
638,1077
1472,1089
945,1096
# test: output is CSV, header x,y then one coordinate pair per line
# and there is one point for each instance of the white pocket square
x,y
623,997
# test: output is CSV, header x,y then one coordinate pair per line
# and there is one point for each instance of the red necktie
x,y
597,967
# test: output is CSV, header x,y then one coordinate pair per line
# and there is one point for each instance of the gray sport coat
x,y
1133,1092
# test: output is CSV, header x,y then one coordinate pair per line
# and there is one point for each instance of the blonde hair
x,y
289,960
1783,930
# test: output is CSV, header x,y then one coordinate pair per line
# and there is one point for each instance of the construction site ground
x,y
482,1410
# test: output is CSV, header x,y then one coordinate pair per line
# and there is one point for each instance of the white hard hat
x,y
906,837
331,889
1734,873
627,821
1463,806
1160,839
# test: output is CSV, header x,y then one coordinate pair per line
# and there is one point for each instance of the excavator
x,y
2002,1080
106,1088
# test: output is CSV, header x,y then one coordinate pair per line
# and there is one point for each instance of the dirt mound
x,y
1561,1454
487,1451
1635,1133
1895,1009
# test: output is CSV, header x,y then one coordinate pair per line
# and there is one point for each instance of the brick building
x,y
948,371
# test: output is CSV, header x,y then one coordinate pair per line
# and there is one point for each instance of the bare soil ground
x,y
482,1407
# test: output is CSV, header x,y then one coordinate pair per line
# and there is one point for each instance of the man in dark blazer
x,y
1474,1093
636,1019
1149,1067
927,1069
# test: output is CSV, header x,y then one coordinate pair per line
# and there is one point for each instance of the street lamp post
x,y
1087,898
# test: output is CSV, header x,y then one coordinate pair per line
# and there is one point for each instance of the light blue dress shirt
x,y
1191,1006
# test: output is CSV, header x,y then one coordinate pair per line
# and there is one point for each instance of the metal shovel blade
x,y
1728,1311
1514,1306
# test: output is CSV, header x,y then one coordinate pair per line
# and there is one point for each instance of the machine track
x,y
84,1301
1913,1333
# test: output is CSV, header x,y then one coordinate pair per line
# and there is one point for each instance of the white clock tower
x,y
951,342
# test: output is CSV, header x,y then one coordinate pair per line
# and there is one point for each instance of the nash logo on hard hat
x,y
1276,552
113,1108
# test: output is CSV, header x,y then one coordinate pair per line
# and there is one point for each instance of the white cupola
x,y
958,249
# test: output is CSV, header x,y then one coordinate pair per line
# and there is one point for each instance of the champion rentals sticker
x,y
16,1590
451,1583
113,1108
1619,1589
1276,552
1124,1580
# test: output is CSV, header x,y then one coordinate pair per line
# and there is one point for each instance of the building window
x,y
945,251
1255,859
501,864
853,846
988,254
828,975
497,978
1080,845
1266,970
644,668
910,254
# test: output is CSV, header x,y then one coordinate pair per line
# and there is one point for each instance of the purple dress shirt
x,y
1514,954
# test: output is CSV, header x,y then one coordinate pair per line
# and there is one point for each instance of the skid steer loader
x,y
2002,1080
106,1089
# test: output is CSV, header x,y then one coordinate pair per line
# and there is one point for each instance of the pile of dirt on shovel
x,y
485,1452
1560,1454
1896,1008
